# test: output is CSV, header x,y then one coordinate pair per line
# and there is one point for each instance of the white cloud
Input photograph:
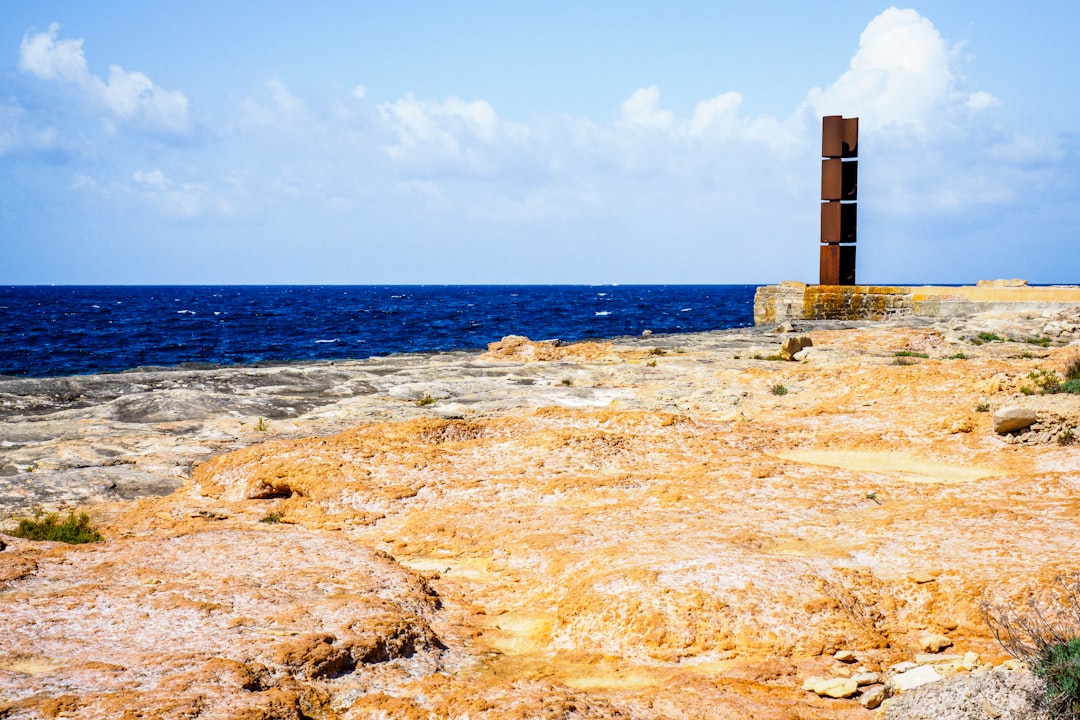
x,y
131,97
452,134
718,111
17,135
642,109
982,100
901,75
154,178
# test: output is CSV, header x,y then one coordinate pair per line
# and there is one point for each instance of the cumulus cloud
x,y
130,97
642,109
452,134
902,74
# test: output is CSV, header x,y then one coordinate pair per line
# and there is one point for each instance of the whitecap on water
x,y
602,312
328,341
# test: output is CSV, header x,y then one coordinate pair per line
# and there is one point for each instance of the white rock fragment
x,y
866,678
916,677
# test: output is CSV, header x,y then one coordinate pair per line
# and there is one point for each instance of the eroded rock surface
x,y
646,528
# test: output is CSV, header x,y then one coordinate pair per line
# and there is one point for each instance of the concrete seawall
x,y
798,301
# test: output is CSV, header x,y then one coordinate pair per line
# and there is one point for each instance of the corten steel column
x,y
839,191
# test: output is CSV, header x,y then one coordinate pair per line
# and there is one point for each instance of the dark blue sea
x,y
76,330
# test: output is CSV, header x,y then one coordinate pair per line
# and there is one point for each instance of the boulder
x,y
1012,418
792,345
845,656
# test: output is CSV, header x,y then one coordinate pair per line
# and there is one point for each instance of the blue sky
x,y
556,142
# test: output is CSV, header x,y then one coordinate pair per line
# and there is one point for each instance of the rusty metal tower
x,y
839,191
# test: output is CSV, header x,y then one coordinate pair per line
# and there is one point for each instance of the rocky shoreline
x,y
664,526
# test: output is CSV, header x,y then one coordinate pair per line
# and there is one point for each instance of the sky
x,y
523,142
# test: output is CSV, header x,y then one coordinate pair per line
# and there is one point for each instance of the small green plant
x,y
990,337
1070,386
76,530
568,382
1040,341
651,363
426,400
910,354
1046,380
775,357
1025,390
261,426
272,518
957,356
1067,438
982,407
779,390
658,351
874,497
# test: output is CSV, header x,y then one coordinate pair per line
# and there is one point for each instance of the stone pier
x,y
799,301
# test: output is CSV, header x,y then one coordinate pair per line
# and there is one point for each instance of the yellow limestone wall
x,y
798,301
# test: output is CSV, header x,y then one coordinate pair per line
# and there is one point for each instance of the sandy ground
x,y
668,527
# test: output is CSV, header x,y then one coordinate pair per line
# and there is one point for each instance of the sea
x,y
73,330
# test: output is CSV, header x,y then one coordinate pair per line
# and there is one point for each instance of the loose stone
x,y
934,643
1012,418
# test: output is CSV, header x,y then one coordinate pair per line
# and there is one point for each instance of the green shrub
x,y
779,390
1072,370
957,356
1045,634
982,407
1040,341
909,353
1059,665
426,400
74,530
1070,386
990,337
272,518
